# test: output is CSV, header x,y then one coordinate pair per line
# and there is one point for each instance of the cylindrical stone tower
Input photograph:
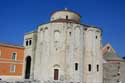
x,y
59,50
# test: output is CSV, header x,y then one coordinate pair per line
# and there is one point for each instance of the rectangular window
x,y
14,55
76,66
89,67
97,67
12,68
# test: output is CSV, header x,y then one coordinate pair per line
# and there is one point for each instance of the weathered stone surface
x,y
114,67
63,46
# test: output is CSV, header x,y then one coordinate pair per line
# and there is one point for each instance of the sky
x,y
18,17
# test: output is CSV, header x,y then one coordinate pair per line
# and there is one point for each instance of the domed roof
x,y
65,15
66,10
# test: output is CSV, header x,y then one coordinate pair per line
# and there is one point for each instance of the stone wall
x,y
114,72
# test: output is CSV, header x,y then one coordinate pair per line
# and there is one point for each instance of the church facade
x,y
64,50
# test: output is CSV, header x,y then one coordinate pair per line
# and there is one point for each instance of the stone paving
x,y
25,81
34,81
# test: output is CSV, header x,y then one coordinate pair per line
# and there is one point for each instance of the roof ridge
x,y
10,45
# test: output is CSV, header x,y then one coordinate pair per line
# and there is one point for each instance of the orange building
x,y
11,61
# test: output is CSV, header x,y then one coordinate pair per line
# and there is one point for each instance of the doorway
x,y
56,74
28,66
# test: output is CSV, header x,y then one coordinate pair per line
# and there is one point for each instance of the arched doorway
x,y
56,68
28,66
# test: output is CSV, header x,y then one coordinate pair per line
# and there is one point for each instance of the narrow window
x,y
97,67
118,73
108,47
13,57
30,42
70,33
118,81
96,37
41,29
12,68
89,67
66,17
46,34
26,42
76,66
46,27
85,29
57,36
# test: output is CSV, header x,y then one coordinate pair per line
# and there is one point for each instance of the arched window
x,y
70,33
89,67
108,47
46,34
30,42
41,29
97,67
76,66
96,37
57,36
77,37
85,29
66,17
26,42
46,27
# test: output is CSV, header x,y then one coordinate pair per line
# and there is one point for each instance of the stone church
x,y
64,50
113,67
